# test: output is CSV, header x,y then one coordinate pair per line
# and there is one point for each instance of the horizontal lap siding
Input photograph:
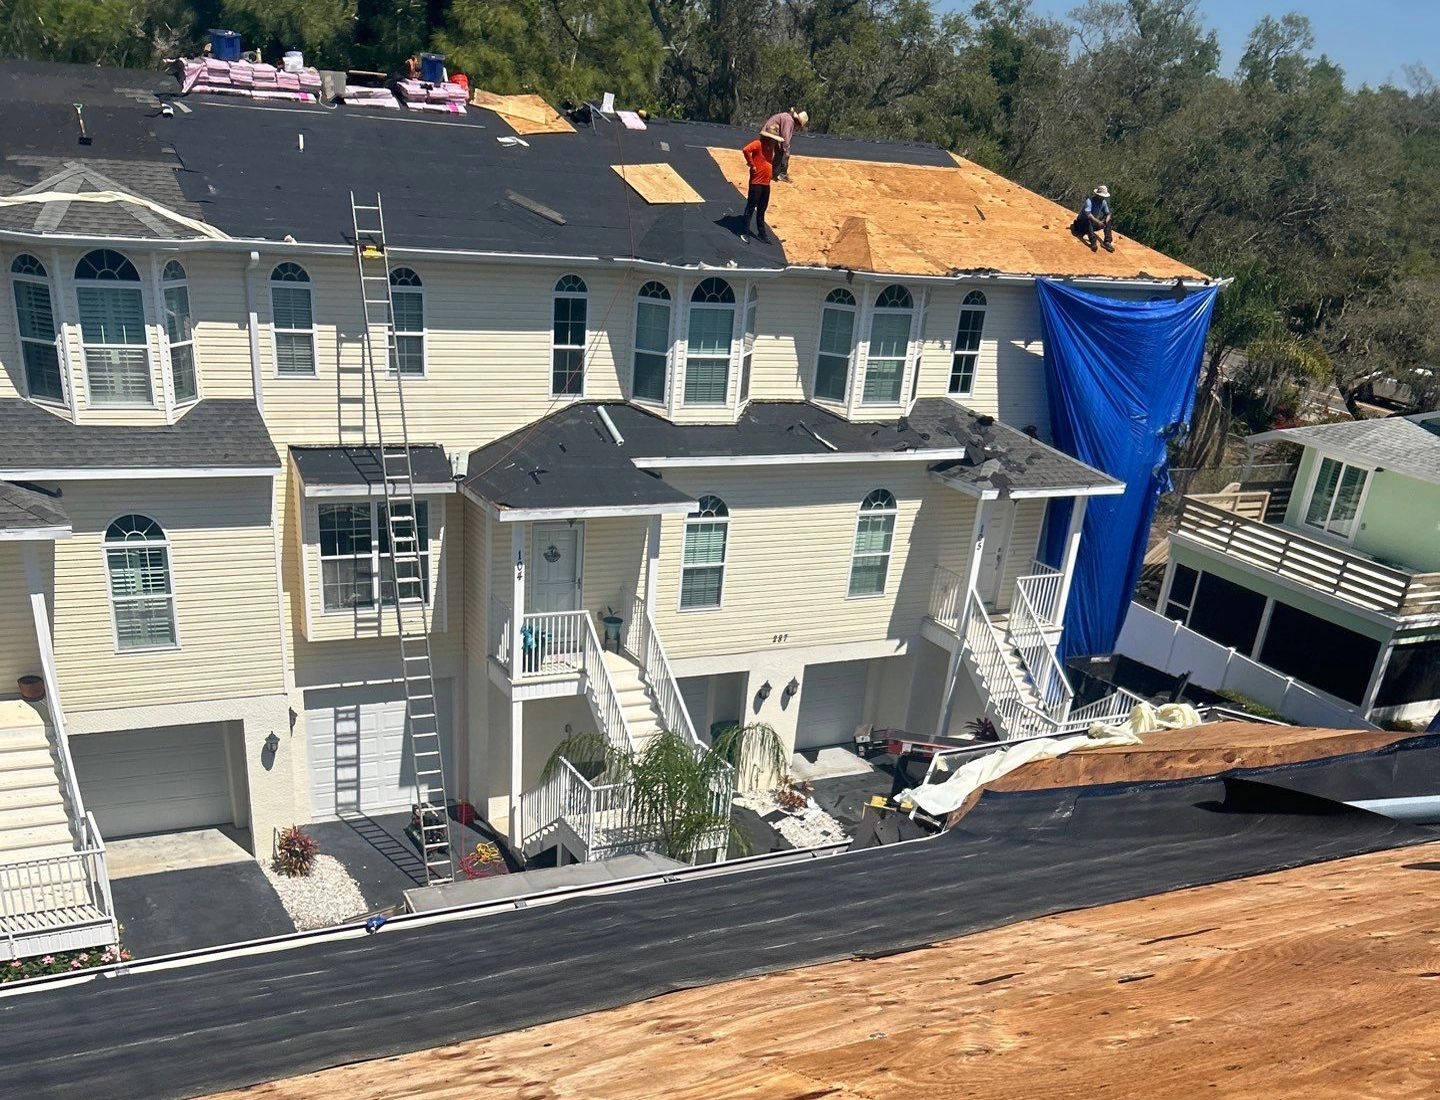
x,y
470,577
784,363
19,651
221,315
222,561
788,557
1024,540
614,563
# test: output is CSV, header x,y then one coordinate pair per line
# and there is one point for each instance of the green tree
x,y
101,32
323,30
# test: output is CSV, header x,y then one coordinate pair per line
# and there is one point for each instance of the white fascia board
x,y
939,454
34,534
524,515
362,492
1108,490
136,473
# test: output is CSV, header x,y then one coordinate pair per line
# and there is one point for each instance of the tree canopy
x,y
1322,202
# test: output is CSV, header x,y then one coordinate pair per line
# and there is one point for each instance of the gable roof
x,y
1406,445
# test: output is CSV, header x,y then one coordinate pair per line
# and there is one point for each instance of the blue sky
x,y
1372,40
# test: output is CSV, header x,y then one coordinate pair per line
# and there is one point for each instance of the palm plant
x,y
679,791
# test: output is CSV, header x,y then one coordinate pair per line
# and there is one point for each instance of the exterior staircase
x,y
637,701
34,819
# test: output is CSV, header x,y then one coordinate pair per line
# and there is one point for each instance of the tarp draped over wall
x,y
1121,377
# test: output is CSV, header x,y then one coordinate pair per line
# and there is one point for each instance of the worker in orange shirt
x,y
760,156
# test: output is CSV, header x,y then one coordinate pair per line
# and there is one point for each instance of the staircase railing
x,y
1110,710
1042,587
644,643
500,629
33,888
1002,684
1042,662
947,597
604,701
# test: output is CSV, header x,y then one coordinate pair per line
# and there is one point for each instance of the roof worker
x,y
784,124
760,156
412,67
1095,216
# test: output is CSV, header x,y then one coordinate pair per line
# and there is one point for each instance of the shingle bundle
x,y
370,97
418,95
245,78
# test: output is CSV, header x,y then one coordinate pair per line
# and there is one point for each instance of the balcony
x,y
1320,566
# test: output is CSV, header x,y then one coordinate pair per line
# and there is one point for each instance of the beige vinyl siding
x,y
221,319
614,563
1023,543
471,576
788,553
222,564
789,317
19,650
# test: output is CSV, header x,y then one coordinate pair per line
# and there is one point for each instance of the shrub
x,y
61,962
1249,705
295,852
791,800
982,729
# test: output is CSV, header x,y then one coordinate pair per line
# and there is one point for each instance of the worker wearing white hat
x,y
782,126
1095,216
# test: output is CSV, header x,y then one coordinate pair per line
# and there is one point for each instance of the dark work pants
x,y
782,163
1083,227
757,202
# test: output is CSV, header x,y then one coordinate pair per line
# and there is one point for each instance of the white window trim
x,y
164,544
377,606
1314,481
192,343
635,349
861,513
146,321
57,343
906,363
746,357
423,335
583,347
732,364
854,312
955,351
276,331
719,605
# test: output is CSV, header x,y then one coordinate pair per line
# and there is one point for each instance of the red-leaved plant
x,y
295,852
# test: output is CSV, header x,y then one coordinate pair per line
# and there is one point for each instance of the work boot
x,y
1092,245
783,177
1108,246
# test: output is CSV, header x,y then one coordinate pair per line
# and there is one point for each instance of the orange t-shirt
x,y
757,156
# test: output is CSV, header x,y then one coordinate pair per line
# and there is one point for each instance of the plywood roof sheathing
x,y
526,114
657,183
927,219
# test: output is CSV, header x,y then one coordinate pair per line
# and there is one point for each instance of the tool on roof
x,y
80,118
402,530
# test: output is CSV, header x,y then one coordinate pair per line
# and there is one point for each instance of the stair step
x,y
26,759
22,741
17,779
37,851
34,836
32,797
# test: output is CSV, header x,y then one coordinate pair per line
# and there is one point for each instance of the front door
x,y
1001,516
555,557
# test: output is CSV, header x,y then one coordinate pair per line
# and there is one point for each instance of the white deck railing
x,y
947,597
501,630
601,688
1042,662
1001,682
643,641
552,643
1316,564
1041,586
45,902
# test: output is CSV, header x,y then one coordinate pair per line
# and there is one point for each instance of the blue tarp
x,y
1121,377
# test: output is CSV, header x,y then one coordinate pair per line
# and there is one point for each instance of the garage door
x,y
359,754
156,780
832,703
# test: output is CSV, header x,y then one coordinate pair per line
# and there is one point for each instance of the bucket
x,y
225,45
293,61
460,79
432,68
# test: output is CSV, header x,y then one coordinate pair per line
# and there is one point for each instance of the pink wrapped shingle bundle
x,y
371,97
243,78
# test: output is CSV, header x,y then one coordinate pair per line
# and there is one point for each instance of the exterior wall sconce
x,y
764,692
790,689
272,743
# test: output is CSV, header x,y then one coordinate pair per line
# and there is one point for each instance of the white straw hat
x,y
1102,191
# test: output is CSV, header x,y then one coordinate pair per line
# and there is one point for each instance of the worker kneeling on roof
x,y
760,156
1095,215
783,125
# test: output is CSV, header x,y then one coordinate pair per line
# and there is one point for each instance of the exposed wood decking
x,y
1315,983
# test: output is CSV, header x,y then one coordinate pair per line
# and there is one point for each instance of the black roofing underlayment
x,y
360,466
191,1031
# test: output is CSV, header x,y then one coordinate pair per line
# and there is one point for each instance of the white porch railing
x,y
947,597
601,688
58,903
1041,586
501,630
552,643
1042,662
999,679
643,641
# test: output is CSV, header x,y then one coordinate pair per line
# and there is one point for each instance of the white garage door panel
x,y
832,702
146,781
359,757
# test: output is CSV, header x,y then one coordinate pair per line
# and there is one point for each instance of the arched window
x,y
652,342
567,367
180,334
889,346
874,533
709,344
702,570
407,295
35,317
137,555
293,319
747,346
967,344
112,329
837,345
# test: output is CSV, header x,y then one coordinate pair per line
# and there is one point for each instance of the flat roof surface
x,y
1311,983
26,510
214,434
359,467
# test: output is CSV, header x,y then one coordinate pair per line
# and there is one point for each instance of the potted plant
x,y
612,623
32,688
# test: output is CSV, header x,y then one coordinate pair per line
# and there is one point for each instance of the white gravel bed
x,y
326,896
811,826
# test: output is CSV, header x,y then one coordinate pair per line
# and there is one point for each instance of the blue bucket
x,y
225,45
432,68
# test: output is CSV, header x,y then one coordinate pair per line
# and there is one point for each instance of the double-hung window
x,y
889,346
708,345
652,342
966,355
567,363
837,345
112,329
39,348
294,321
180,334
407,297
702,570
747,344
137,557
874,534
355,566
1335,500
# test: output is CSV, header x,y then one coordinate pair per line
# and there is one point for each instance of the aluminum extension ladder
x,y
401,529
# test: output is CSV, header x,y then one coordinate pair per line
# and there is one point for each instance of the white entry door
x,y
1000,519
557,550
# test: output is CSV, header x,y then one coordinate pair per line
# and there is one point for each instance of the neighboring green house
x,y
1343,593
